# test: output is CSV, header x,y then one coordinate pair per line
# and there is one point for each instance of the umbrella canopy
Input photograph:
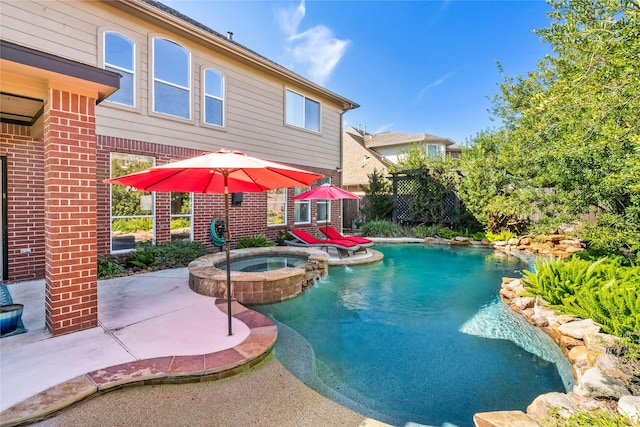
x,y
326,192
216,173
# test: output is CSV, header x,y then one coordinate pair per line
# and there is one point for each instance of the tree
x,y
570,137
377,200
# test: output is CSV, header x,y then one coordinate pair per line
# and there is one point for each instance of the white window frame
x,y
155,79
220,98
327,203
181,215
298,203
288,111
120,68
112,217
284,203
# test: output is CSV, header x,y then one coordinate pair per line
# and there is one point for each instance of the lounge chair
x,y
333,234
306,240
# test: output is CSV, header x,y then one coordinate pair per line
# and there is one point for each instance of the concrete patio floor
x,y
152,329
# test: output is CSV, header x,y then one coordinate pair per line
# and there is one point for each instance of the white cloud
x,y
289,18
316,49
431,85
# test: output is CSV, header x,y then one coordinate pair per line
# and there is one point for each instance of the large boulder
x,y
504,419
595,384
629,406
579,328
561,404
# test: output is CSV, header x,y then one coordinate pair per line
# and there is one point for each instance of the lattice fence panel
x,y
405,189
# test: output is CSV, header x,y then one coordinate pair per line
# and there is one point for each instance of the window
x,y
301,208
213,97
119,56
323,211
433,151
277,206
181,216
132,211
171,81
302,111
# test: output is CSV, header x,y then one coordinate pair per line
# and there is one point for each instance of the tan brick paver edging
x,y
168,369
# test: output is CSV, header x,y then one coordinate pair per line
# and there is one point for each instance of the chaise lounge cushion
x,y
333,234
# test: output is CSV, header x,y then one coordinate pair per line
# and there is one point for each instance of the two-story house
x,y
97,89
364,152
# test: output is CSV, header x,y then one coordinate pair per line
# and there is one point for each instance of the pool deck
x,y
152,329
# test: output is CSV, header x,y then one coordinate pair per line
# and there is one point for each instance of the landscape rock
x,y
600,342
629,406
579,328
523,302
504,419
595,384
542,405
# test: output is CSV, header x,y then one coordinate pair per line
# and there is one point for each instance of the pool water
x,y
262,263
421,337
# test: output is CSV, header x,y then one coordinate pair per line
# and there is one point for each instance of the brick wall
x,y
25,202
71,294
246,220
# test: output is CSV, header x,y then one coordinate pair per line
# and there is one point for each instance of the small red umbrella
x,y
216,173
326,192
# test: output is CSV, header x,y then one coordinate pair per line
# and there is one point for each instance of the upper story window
x,y
171,78
213,97
302,111
119,56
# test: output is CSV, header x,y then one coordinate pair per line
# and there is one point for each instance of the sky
x,y
412,66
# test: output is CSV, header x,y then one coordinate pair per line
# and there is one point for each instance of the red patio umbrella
x,y
326,192
216,173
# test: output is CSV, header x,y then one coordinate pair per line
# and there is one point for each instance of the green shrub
x,y
446,233
598,418
382,228
504,235
258,241
604,291
142,257
109,267
422,231
479,236
178,253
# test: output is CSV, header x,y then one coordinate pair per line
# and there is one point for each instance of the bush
x,y
382,228
600,418
446,233
504,235
109,267
258,241
148,257
422,231
604,291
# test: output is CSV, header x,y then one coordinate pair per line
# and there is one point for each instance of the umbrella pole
x,y
228,248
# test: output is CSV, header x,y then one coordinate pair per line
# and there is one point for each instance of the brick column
x,y
70,212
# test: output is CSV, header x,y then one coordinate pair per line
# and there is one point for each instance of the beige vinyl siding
x,y
253,102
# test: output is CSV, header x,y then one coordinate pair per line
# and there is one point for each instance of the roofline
x,y
193,29
48,62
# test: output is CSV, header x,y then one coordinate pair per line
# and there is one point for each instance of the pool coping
x,y
158,370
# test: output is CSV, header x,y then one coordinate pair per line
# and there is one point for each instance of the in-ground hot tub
x,y
259,287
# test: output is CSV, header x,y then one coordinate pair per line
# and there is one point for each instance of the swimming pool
x,y
421,337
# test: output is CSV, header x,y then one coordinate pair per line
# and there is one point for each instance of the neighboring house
x,y
363,152
96,89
